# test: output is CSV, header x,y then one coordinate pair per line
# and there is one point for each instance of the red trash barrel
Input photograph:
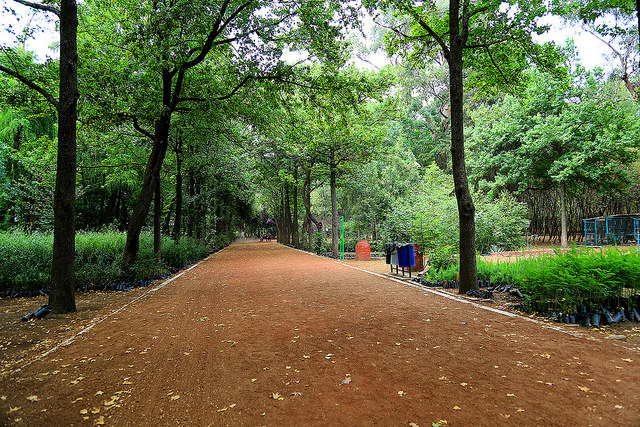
x,y
363,251
419,259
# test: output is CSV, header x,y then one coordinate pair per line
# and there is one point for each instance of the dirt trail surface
x,y
261,334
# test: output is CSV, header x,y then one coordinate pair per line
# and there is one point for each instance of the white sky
x,y
590,49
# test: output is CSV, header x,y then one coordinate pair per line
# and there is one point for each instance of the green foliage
x,y
25,259
499,223
570,280
318,243
428,217
554,134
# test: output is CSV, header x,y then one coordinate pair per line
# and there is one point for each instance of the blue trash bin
x,y
406,257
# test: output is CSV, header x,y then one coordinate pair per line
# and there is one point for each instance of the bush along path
x,y
586,287
262,334
25,262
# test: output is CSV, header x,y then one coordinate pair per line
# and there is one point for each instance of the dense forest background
x,y
210,119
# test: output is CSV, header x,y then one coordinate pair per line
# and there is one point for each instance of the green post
x,y
342,238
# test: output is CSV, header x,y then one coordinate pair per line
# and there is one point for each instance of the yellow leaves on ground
x,y
33,398
401,393
585,389
233,405
77,380
628,360
175,397
276,396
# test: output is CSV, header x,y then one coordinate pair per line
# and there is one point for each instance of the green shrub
x,y
567,281
187,252
500,223
25,259
318,243
350,244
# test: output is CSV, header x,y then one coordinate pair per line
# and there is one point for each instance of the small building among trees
x,y
612,230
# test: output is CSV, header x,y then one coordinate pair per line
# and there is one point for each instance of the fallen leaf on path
x,y
585,389
100,421
3,397
98,393
95,410
547,355
14,409
276,396
628,360
77,400
464,384
233,405
456,408
511,395
33,398
346,381
175,397
401,393
84,412
253,380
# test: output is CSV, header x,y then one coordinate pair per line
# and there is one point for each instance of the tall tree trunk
x,y
151,175
287,215
14,174
62,290
564,241
178,223
466,209
157,217
167,219
107,217
191,210
306,200
295,239
335,230
199,211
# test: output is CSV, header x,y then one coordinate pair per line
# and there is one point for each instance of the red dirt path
x,y
261,334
